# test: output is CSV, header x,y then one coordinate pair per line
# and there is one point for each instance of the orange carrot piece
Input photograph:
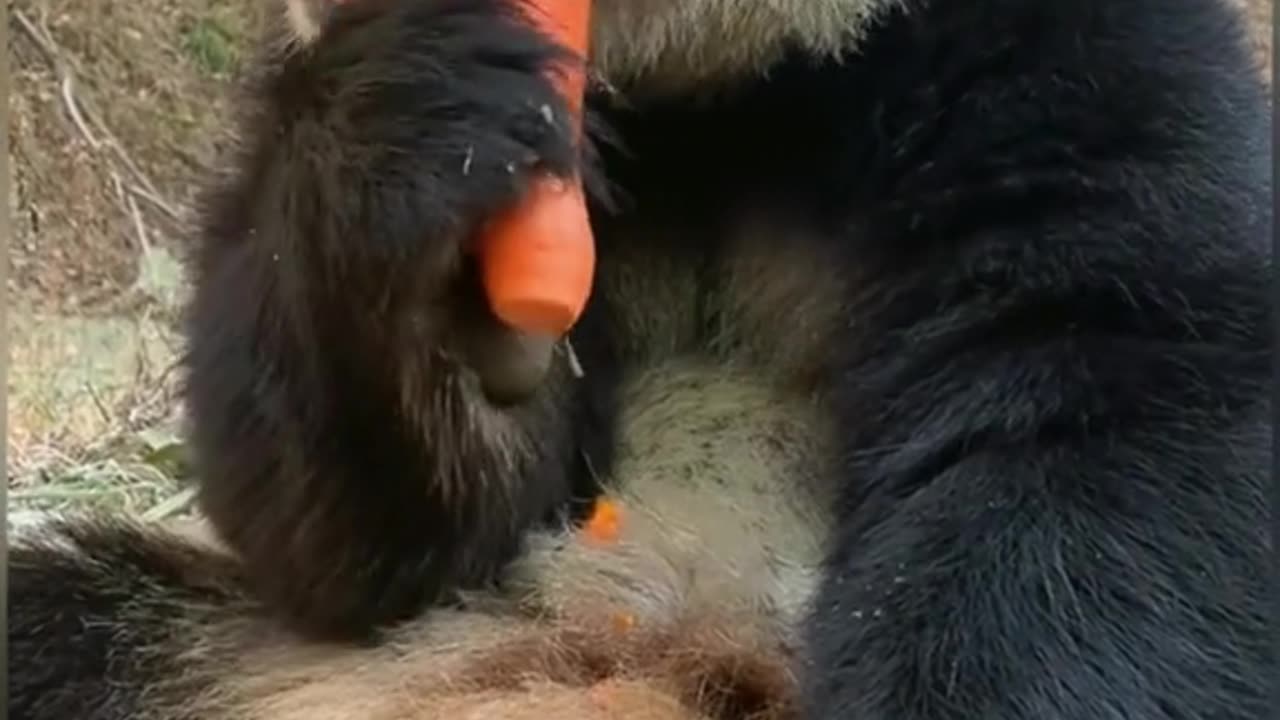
x,y
623,622
605,524
538,259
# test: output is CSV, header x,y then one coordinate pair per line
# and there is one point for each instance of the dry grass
x,y
114,113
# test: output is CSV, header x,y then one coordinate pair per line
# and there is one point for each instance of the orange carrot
x,y
622,622
538,259
605,524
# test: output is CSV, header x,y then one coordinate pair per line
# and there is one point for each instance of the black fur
x,y
105,622
1055,428
1057,441
1051,388
330,413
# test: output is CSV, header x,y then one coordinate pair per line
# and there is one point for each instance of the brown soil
x,y
149,78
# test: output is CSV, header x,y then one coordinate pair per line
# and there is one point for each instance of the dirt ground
x,y
115,110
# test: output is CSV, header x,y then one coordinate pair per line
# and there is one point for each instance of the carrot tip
x,y
539,259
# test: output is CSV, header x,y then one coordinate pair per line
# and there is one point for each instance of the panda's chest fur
x,y
721,466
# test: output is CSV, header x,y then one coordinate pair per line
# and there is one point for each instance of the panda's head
x,y
666,46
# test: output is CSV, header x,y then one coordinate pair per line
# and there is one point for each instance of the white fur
x,y
717,478
303,18
662,46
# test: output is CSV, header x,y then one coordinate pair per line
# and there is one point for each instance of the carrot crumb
x,y
605,523
623,621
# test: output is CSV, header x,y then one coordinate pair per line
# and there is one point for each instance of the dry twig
x,y
82,116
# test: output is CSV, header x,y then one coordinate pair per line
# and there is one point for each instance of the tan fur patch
x,y
663,46
718,478
302,18
701,669
776,304
1262,32
781,303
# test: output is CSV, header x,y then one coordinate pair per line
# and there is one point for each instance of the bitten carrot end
x,y
539,258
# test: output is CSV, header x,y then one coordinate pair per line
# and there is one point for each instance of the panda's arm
x,y
1057,453
344,449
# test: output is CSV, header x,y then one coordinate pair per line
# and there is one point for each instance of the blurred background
x,y
117,107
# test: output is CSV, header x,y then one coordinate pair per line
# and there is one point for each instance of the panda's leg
x,y
1056,575
1057,429
338,335
111,620
1055,493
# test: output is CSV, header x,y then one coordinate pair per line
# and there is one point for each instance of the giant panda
x,y
926,359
